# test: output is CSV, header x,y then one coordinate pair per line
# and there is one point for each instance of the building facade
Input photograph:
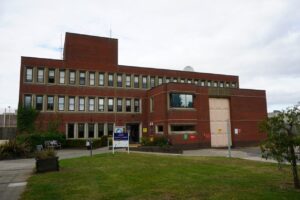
x,y
90,93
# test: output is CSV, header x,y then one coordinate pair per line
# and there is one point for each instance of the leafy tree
x,y
26,119
283,132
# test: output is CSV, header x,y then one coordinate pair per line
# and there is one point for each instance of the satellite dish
x,y
188,69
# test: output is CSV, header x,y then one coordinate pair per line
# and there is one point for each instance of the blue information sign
x,y
120,136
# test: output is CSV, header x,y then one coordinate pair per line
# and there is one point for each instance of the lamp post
x,y
8,116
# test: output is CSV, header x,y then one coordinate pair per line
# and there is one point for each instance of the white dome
x,y
188,69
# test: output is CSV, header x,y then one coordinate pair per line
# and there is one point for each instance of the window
x,y
50,103
215,84
81,130
208,83
160,80
144,82
168,80
61,103
101,79
174,80
27,101
39,103
110,129
128,81
128,105
202,83
189,81
178,100
101,104
91,130
82,78
152,82
227,84
119,80
159,128
71,103
119,105
136,105
181,80
72,77
51,76
233,85
40,76
91,104
71,130
183,128
92,78
151,104
28,75
62,74
110,106
196,82
100,130
81,104
110,80
221,84
136,82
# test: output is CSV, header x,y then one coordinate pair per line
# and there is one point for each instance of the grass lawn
x,y
141,176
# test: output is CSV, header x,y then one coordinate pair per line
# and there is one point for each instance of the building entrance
x,y
134,132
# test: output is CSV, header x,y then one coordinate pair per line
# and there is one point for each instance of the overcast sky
x,y
258,40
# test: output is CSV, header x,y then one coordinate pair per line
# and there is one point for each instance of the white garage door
x,y
219,121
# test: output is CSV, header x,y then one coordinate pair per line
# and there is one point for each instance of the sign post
x,y
120,139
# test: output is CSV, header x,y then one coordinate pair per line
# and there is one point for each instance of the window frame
x,y
40,78
71,105
50,104
51,79
184,104
110,108
71,81
82,79
80,104
101,105
39,106
28,77
91,102
92,78
62,71
61,103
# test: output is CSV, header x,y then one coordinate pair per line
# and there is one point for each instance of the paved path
x,y
14,173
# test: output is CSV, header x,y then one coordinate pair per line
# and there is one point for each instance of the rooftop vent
x,y
188,69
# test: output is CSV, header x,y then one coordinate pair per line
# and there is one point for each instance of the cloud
x,y
258,40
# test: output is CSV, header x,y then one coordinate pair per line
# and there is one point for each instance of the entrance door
x,y
134,132
219,122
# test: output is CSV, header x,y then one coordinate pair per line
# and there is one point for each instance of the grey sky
x,y
258,40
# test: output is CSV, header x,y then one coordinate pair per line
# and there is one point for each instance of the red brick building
x,y
90,93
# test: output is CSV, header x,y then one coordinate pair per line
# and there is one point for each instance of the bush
x,y
81,143
155,141
40,138
12,149
45,154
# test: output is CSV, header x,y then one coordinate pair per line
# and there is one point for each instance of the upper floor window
x,y
182,81
71,103
92,78
233,85
81,104
27,101
50,103
82,78
51,76
189,81
91,104
128,105
40,76
28,75
152,82
221,84
178,100
119,105
61,103
72,77
202,83
209,83
215,84
167,80
101,104
110,107
136,82
227,84
174,80
62,75
196,82
128,81
110,80
119,80
144,82
39,103
101,79
136,105
160,80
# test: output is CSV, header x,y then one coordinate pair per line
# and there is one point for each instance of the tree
x,y
283,132
26,119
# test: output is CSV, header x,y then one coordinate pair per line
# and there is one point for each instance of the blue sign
x,y
120,136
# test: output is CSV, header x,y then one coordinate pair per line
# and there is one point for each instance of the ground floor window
x,y
110,129
71,130
159,128
100,130
183,128
91,130
80,130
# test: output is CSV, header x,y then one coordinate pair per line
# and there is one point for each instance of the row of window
x,y
89,130
122,80
74,103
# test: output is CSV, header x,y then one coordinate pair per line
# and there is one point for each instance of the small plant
x,y
12,149
45,154
155,141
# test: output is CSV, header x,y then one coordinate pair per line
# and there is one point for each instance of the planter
x,y
47,165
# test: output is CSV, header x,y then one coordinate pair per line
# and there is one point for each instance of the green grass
x,y
139,176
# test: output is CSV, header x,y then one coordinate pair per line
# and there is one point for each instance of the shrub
x,y
82,143
45,154
155,141
12,149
